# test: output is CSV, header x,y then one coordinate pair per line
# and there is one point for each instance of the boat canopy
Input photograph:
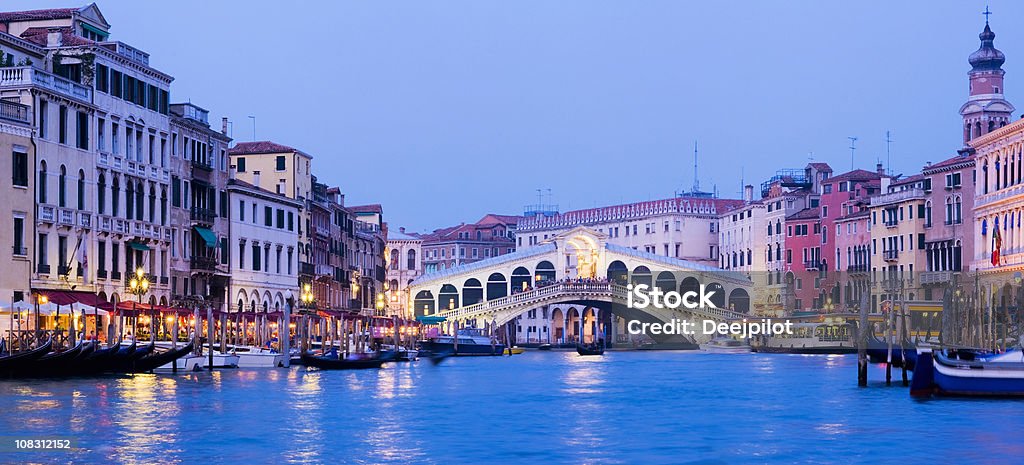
x,y
430,319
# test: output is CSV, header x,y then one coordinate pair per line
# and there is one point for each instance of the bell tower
x,y
986,109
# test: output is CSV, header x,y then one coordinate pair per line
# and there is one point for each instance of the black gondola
x,y
127,365
16,362
544,347
97,361
590,349
158,359
331,363
52,364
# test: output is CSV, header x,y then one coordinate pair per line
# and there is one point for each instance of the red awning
x,y
60,297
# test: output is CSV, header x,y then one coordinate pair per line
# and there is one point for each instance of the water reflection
x,y
305,423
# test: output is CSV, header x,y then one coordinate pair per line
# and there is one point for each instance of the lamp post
x,y
139,285
41,299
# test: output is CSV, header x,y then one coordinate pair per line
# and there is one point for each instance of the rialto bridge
x,y
578,280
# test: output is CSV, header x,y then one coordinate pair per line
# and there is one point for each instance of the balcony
x,y
85,219
203,263
201,165
65,217
857,268
120,226
899,196
202,215
17,76
812,265
937,277
891,224
63,270
14,111
47,213
324,231
307,268
890,255
324,270
20,251
43,269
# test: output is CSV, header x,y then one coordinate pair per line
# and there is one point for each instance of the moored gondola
x,y
127,364
14,363
332,363
53,364
590,349
157,359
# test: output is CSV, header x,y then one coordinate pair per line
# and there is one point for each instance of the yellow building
x,y
898,254
273,167
16,203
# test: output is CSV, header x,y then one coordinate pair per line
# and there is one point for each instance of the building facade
x,y
263,254
491,236
16,202
404,264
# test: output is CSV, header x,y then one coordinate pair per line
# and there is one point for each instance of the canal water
x,y
553,407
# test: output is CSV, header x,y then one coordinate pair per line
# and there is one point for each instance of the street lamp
x,y
139,285
41,299
379,304
306,296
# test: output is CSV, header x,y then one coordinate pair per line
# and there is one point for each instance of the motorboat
x,y
725,345
947,372
810,338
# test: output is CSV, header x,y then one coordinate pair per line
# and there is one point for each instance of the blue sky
x,y
443,111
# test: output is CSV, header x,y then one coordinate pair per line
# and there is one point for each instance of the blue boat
x,y
470,341
968,373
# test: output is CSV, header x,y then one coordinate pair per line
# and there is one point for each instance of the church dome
x,y
987,57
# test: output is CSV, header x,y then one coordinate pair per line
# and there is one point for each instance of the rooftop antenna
x,y
253,118
888,157
696,180
853,150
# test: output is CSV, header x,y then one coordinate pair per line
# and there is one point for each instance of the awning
x,y
139,246
70,297
430,320
209,236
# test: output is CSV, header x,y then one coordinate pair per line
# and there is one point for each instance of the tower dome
x,y
987,57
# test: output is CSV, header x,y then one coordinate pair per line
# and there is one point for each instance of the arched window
x,y
152,202
163,206
42,181
957,210
115,197
824,234
928,213
81,189
769,255
949,210
129,199
395,257
778,227
411,265
62,187
101,194
750,256
140,201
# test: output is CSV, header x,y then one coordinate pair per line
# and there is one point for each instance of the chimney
x,y
224,125
402,229
879,169
256,178
54,38
748,193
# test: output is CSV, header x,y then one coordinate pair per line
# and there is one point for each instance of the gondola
x,y
331,363
590,349
157,359
52,364
16,362
97,361
127,365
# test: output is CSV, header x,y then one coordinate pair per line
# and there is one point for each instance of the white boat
x,y
811,338
257,357
221,360
725,345
185,364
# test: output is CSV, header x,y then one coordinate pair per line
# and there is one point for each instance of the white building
x,y
404,264
680,227
263,235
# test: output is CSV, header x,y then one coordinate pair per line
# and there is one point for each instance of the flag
x,y
997,243
83,255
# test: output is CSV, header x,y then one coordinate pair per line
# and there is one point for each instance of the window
x,y
42,119
241,255
20,168
280,218
240,164
291,221
101,194
280,163
223,251
256,257
41,253
62,196
115,200
241,210
115,142
268,216
62,125
82,131
81,189
19,236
